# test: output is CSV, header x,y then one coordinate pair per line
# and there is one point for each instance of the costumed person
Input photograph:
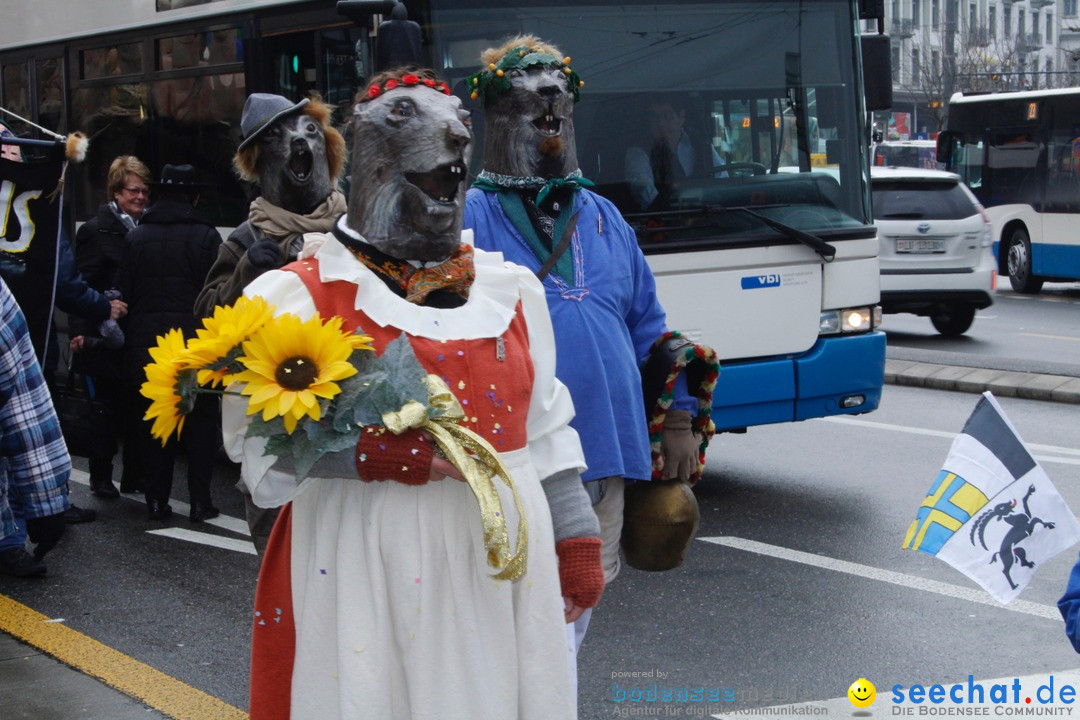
x,y
296,158
162,270
375,596
99,245
531,203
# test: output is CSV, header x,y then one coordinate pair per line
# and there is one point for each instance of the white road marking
x,y
194,536
913,582
225,522
1049,337
1034,447
883,705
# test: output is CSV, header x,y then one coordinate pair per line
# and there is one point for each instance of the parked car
x,y
936,255
906,153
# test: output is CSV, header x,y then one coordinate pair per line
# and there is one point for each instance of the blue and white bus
x,y
1019,152
768,257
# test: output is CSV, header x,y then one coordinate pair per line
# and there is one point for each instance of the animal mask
x,y
297,160
411,148
528,91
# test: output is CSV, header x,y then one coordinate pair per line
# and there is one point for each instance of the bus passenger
x,y
654,172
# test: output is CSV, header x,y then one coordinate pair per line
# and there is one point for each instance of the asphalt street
x,y
29,649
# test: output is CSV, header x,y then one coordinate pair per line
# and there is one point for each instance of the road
x,y
795,587
1027,333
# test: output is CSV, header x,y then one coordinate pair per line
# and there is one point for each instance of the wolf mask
x,y
296,159
528,92
411,150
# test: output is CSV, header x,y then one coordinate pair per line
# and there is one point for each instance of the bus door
x,y
333,61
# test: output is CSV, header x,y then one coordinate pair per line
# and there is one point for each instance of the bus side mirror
x,y
877,72
946,140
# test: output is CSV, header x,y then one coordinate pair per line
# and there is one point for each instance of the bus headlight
x,y
849,320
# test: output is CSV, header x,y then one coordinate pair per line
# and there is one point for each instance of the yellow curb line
x,y
133,678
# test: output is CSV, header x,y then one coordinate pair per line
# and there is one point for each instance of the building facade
x,y
944,46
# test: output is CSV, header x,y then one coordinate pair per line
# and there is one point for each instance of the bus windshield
x,y
691,109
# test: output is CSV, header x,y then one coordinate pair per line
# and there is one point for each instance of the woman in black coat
x,y
99,245
100,241
162,271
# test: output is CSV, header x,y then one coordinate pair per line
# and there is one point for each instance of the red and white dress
x,y
375,599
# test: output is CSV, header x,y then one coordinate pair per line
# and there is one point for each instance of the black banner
x,y
30,236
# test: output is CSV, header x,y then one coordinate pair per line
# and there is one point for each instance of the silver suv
x,y
936,256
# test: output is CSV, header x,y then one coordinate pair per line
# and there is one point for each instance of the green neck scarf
x,y
508,189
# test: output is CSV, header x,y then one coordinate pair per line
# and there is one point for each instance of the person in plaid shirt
x,y
34,461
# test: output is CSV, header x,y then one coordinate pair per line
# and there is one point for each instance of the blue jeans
x,y
18,538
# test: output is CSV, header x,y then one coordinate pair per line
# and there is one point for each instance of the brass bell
x,y
660,519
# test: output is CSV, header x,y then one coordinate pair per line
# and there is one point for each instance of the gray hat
x,y
261,110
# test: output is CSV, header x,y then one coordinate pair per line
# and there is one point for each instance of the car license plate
x,y
919,245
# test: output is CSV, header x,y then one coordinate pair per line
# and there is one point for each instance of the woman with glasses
x,y
99,245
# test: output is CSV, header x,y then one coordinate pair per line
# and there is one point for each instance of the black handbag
x,y
88,424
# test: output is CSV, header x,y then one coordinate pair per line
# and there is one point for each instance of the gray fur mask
x,y
530,128
411,149
293,171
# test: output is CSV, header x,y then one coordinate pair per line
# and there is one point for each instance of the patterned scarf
x,y
494,182
454,275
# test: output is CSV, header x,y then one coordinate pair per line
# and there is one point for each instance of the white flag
x,y
992,513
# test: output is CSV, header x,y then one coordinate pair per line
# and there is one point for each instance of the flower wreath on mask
x,y
488,83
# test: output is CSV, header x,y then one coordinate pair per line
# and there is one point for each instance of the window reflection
x,y
110,61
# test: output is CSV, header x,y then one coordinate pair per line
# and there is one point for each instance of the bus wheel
x,y
953,320
1019,263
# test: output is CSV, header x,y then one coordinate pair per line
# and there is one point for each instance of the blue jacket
x,y
1069,605
605,324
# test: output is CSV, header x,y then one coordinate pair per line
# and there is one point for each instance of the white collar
x,y
491,305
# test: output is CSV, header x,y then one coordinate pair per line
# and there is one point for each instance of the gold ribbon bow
x,y
478,462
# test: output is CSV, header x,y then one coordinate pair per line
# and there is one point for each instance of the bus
x,y
769,255
1019,152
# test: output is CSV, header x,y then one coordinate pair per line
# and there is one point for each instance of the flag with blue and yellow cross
x,y
992,512
949,504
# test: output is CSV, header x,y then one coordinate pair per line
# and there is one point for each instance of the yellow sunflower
x,y
170,384
290,364
217,345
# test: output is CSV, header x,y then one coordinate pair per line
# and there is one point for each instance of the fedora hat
x,y
261,110
181,177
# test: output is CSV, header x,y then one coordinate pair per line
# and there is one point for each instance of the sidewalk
x,y
1003,383
34,686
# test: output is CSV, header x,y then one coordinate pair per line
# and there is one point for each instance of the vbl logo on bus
x,y
751,282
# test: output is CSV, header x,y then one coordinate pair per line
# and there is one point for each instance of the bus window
x,y
1012,160
16,95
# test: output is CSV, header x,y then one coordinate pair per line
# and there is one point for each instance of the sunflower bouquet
x,y
313,387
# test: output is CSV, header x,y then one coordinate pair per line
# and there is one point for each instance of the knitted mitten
x,y
382,455
581,572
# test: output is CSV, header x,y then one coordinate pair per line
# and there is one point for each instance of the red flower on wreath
x,y
429,82
374,91
408,79
391,84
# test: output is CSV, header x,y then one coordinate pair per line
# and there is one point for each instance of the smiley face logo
x,y
862,693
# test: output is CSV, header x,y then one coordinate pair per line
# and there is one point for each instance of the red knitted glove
x,y
382,455
581,573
